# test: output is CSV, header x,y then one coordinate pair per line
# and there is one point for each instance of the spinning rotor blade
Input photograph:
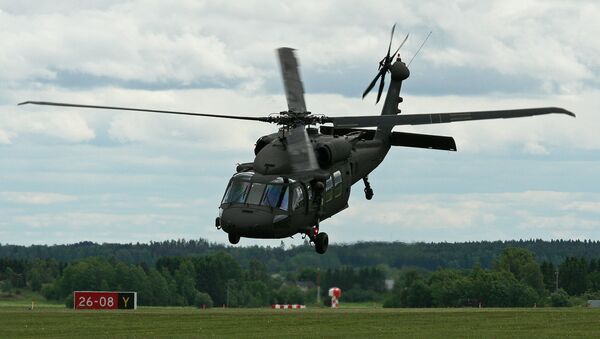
x,y
294,91
302,154
438,118
47,103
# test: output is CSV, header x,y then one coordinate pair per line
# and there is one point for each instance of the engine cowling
x,y
264,141
333,151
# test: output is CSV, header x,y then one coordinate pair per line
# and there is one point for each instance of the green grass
x,y
25,297
52,321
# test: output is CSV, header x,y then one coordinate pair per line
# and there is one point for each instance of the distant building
x,y
389,284
305,285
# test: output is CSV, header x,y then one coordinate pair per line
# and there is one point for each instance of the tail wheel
x,y
321,242
234,238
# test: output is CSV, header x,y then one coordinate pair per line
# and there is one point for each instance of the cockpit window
x,y
285,199
241,190
276,196
246,176
237,192
272,195
298,198
256,192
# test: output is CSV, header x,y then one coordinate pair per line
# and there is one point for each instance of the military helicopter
x,y
302,175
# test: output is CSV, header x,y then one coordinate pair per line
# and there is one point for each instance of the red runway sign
x,y
98,300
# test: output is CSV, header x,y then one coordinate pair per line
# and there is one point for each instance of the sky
x,y
69,175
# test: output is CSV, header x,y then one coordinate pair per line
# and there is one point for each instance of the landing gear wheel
x,y
368,189
368,193
321,242
234,238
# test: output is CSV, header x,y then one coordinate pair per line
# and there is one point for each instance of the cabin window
x,y
337,182
329,189
256,193
298,200
237,192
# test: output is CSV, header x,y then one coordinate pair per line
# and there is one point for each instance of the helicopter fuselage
x,y
263,200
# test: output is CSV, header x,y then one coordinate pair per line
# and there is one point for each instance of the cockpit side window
x,y
276,196
298,198
237,192
285,199
271,197
226,193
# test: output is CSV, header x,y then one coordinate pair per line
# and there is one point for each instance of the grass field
x,y
49,321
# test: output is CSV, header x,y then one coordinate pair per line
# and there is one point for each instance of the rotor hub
x,y
399,71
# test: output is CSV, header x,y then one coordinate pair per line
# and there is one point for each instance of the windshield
x,y
272,195
236,192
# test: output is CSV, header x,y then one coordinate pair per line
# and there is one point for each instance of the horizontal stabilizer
x,y
423,141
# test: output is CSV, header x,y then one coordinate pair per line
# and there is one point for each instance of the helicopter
x,y
301,174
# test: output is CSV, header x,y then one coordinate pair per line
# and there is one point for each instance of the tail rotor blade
x,y
372,84
402,44
381,86
391,38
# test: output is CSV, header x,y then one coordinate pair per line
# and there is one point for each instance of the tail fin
x,y
399,73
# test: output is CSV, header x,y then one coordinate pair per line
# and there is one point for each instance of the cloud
x,y
36,198
583,206
66,126
5,137
214,44
471,216
218,57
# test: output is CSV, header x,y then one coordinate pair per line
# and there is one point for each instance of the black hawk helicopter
x,y
302,175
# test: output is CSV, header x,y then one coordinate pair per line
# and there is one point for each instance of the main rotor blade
x,y
438,118
372,84
294,91
301,152
47,103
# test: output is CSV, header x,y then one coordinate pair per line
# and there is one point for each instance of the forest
x,y
429,256
198,273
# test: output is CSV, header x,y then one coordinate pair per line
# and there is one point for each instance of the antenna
x,y
424,41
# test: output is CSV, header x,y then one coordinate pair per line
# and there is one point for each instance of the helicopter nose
x,y
245,220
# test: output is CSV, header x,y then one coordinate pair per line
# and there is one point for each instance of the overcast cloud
x,y
69,175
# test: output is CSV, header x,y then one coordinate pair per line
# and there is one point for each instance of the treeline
x,y
516,278
215,279
429,256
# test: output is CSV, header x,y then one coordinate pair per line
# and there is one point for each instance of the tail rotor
x,y
384,67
